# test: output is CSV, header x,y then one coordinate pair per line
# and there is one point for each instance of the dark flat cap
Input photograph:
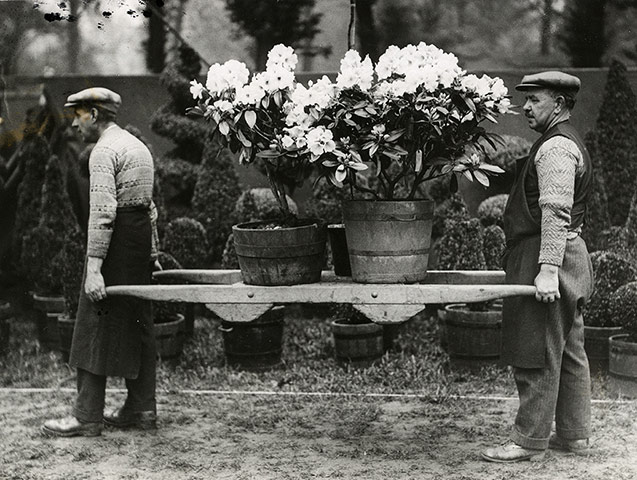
x,y
553,80
97,97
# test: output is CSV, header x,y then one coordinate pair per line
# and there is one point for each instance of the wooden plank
x,y
216,277
324,292
437,277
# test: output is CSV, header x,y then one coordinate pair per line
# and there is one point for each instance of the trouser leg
x,y
91,389
573,411
141,390
538,391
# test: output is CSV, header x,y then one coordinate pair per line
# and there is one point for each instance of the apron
x,y
108,334
527,325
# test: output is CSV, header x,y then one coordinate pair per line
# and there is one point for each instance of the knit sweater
x,y
121,175
558,160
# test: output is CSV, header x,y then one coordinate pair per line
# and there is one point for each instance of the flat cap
x,y
97,97
552,79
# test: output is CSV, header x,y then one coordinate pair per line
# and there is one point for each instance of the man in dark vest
x,y
113,336
543,337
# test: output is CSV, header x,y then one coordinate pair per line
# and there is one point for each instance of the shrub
x,y
461,246
616,143
623,306
491,210
71,261
258,204
43,243
450,210
216,192
597,217
34,155
185,239
326,202
509,149
177,169
167,311
493,246
611,272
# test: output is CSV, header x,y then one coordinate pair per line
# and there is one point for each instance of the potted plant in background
x,y
357,340
623,347
42,244
413,117
252,118
611,271
185,240
71,263
473,331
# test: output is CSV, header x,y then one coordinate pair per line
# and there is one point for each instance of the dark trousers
x,y
91,390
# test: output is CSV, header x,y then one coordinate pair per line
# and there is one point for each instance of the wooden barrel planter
x,y
622,366
473,337
65,326
597,346
358,344
169,337
47,309
255,345
282,255
388,241
338,246
6,315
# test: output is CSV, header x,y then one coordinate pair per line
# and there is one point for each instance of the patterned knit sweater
x,y
558,160
121,175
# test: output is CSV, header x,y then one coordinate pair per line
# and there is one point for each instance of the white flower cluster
x,y
355,72
232,74
491,91
404,70
318,94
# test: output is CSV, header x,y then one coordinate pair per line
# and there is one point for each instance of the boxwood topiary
x,y
616,142
493,246
214,198
71,261
185,239
623,307
491,210
461,246
451,210
611,272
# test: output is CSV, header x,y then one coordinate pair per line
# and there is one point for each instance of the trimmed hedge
x,y
623,307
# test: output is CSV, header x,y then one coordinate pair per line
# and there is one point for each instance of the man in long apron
x,y
543,337
113,336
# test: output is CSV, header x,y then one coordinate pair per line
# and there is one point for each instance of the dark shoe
x,y
71,427
123,418
512,452
578,447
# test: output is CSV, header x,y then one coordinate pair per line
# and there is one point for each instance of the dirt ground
x,y
233,436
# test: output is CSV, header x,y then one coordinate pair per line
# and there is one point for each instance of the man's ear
x,y
560,103
95,114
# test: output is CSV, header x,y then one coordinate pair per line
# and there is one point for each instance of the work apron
x,y
109,334
527,324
